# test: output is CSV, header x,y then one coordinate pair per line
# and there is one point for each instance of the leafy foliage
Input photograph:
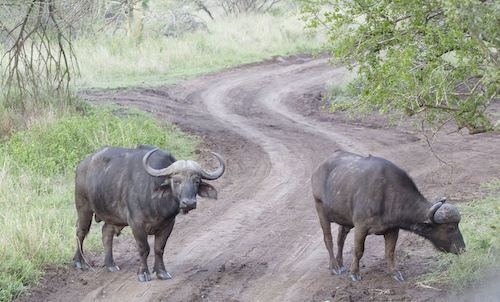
x,y
437,58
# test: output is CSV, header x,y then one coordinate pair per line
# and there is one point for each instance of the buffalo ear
x,y
161,191
207,190
428,222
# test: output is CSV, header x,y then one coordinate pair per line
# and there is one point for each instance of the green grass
x,y
37,218
56,147
480,226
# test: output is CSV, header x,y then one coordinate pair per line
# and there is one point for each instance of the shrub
x,y
57,147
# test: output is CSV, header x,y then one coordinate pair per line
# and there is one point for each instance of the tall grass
x,y
37,226
37,215
231,41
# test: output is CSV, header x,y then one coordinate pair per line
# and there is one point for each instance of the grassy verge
x,y
37,218
229,41
37,214
480,225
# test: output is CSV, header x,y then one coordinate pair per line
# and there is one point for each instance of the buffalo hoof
x,y
144,277
398,277
79,265
338,271
164,276
113,268
83,267
355,278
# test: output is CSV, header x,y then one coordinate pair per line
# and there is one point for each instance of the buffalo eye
x,y
177,180
196,181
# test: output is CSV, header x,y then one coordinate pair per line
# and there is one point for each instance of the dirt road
x,y
261,241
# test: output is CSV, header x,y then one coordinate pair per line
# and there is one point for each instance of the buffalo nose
x,y
458,250
188,203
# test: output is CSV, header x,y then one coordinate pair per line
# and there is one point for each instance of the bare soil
x,y
261,240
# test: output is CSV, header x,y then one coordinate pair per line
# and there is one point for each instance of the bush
x,y
57,147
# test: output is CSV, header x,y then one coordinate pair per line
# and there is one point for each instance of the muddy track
x,y
261,240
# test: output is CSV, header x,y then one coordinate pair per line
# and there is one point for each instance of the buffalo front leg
x,y
160,242
141,238
325,223
108,232
390,245
359,248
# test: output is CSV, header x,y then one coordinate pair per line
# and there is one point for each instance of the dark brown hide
x,y
374,196
113,185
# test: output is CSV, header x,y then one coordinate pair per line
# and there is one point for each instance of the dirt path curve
x,y
261,240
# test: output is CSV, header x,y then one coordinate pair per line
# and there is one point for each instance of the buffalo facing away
x,y
374,196
144,188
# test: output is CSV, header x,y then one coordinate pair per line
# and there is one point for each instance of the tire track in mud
x,y
283,186
269,235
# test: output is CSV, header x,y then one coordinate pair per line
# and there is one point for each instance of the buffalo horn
x,y
447,214
217,173
151,171
433,210
172,168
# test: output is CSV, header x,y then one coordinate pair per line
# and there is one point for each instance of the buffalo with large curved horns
x,y
144,188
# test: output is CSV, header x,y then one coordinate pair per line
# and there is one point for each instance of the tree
x,y
247,6
38,57
437,59
134,18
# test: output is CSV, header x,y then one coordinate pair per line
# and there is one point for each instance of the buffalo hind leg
x,y
390,245
82,229
108,232
335,269
341,236
160,242
359,248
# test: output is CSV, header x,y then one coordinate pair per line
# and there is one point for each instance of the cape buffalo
x,y
144,188
374,196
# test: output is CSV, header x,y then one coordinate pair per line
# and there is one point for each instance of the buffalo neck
x,y
415,216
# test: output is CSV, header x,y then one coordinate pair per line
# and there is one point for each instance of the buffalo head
x,y
442,227
184,180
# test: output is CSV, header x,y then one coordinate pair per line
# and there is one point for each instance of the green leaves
x,y
435,59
